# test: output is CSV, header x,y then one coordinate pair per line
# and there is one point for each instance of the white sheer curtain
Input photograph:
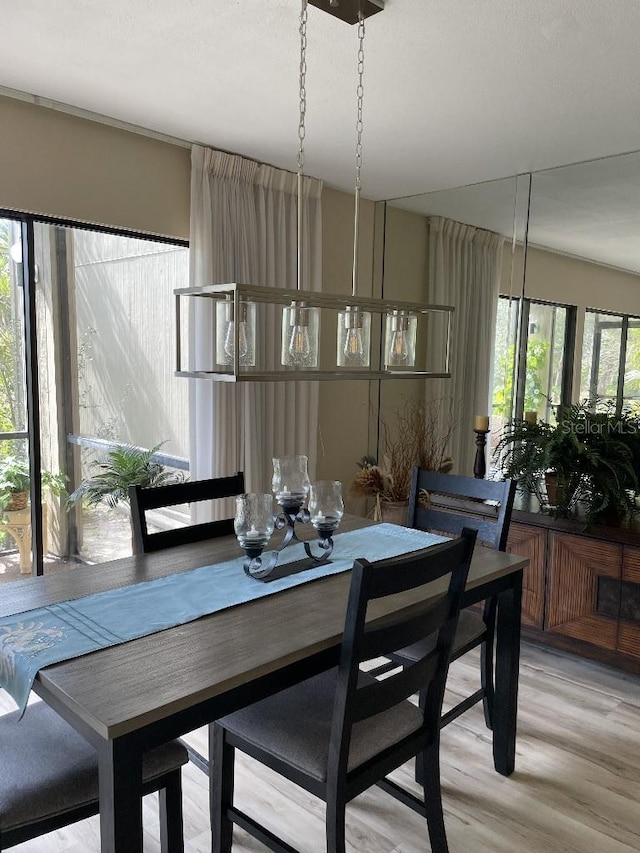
x,y
243,229
465,266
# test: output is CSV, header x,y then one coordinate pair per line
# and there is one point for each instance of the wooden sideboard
x,y
582,587
581,590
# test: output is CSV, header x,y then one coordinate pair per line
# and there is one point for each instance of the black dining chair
x,y
49,779
158,497
474,628
144,499
341,732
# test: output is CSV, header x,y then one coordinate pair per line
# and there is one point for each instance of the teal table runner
x,y
47,635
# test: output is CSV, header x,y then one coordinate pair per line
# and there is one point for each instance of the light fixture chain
x,y
359,126
303,80
360,95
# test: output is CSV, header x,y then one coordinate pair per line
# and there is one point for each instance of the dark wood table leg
x,y
120,768
505,708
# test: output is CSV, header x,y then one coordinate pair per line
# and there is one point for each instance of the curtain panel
x,y
465,265
244,229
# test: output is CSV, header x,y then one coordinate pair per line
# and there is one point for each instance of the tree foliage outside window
x,y
10,347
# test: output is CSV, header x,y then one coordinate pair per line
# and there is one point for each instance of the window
x,y
533,359
96,307
611,359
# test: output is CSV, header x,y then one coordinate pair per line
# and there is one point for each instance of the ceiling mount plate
x,y
348,10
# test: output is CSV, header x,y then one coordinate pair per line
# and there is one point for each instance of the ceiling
x,y
456,91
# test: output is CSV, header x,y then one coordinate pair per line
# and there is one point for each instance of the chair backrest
x,y
446,565
491,530
143,500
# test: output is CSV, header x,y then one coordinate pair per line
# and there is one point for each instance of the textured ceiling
x,y
457,91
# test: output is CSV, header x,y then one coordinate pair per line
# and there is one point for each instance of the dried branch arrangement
x,y
418,435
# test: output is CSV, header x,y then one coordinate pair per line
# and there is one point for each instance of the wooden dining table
x,y
128,698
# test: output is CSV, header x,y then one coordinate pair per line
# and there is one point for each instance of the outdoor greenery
x,y
534,391
120,468
10,351
15,478
588,456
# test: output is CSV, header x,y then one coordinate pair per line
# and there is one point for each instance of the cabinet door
x,y
629,628
530,542
583,594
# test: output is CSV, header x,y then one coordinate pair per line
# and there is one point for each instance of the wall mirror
x,y
438,246
582,284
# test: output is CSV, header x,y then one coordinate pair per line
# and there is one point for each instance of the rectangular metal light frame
x,y
282,296
349,10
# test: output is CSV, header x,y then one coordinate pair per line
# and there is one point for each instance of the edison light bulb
x,y
300,327
299,344
354,337
353,349
398,348
229,339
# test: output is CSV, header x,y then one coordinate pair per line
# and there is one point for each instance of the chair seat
x,y
295,724
48,769
471,630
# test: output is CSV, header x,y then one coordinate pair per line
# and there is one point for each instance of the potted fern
x,y
120,468
15,483
587,456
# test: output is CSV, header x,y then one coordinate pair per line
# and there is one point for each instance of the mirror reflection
x,y
462,247
543,270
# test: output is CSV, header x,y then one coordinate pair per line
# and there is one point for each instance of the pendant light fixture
x,y
354,324
301,323
243,312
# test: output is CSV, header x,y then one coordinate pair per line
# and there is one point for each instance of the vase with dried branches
x,y
419,434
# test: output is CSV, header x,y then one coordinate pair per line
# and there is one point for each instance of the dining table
x,y
130,697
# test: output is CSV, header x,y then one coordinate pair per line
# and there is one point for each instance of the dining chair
x,y
144,499
474,628
342,731
49,779
158,497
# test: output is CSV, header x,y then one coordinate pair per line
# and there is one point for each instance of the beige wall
x,y
61,165
346,429
57,164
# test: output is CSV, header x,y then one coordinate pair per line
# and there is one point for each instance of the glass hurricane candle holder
x,y
326,506
254,522
290,483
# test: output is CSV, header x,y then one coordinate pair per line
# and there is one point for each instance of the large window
x,y
86,320
611,359
533,359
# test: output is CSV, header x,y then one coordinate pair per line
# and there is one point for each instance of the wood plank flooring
x,y
576,788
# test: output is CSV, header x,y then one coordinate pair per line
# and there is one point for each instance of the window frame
x,y
627,321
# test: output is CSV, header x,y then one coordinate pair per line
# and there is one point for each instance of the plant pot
x,y
560,493
395,512
17,501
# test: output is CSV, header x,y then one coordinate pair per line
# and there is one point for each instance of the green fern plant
x,y
592,455
120,468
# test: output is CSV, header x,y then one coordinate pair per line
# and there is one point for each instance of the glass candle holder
x,y
326,507
290,483
254,521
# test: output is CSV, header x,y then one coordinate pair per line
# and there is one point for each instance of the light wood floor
x,y
576,788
